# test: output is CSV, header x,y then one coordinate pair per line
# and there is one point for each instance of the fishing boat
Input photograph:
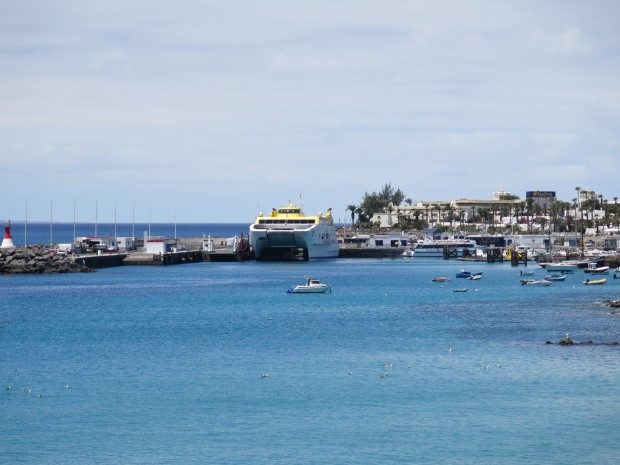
x,y
312,286
594,269
535,282
460,289
565,267
441,279
590,282
555,278
475,277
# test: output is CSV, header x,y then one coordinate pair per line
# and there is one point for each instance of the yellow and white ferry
x,y
286,233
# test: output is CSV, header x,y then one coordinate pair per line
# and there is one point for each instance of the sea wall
x,y
36,259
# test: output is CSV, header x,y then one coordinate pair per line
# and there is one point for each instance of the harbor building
x,y
542,199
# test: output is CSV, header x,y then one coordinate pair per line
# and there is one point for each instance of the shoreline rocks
x,y
37,260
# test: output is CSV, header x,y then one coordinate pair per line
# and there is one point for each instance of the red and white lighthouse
x,y
7,241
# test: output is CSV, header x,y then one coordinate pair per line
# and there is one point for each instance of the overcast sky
x,y
221,107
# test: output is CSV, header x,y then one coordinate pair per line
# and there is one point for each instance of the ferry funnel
x,y
7,241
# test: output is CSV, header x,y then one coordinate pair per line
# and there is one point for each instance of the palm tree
x,y
528,204
450,209
352,209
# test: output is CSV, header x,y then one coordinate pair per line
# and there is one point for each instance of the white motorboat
x,y
408,253
535,282
555,278
561,267
594,269
475,277
312,286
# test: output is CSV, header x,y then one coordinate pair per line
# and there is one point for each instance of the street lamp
x,y
115,203
175,220
26,226
149,220
51,222
73,245
96,215
133,219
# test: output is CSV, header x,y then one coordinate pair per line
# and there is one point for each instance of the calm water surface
x,y
165,365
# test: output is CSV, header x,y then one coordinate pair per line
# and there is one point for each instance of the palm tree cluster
x,y
558,216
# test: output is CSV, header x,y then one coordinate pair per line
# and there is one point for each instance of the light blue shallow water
x,y
164,365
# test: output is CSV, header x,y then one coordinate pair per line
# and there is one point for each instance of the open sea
x,y
214,363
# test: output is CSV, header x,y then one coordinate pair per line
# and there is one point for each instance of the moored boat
x,y
535,282
467,274
590,282
435,247
286,233
593,268
460,289
565,267
555,278
441,279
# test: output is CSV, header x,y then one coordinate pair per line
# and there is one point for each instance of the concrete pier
x,y
170,258
99,261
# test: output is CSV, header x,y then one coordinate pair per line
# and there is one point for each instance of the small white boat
x,y
460,289
535,282
555,278
565,267
312,286
590,282
593,269
475,277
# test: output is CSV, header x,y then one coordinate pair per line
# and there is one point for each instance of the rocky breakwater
x,y
37,259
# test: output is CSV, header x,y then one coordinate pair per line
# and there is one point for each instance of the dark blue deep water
x,y
151,365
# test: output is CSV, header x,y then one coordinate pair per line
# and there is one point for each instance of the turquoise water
x,y
165,365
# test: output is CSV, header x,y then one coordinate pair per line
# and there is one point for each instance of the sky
x,y
217,110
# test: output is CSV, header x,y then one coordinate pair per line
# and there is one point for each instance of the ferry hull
x,y
290,245
288,234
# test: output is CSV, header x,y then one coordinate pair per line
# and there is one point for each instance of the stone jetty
x,y
37,259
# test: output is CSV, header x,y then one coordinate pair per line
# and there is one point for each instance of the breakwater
x,y
37,259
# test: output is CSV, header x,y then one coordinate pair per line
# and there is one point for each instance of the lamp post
x,y
26,226
175,220
133,219
149,219
73,245
51,222
96,215
115,203
581,227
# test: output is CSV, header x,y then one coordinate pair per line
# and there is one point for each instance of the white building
x,y
159,245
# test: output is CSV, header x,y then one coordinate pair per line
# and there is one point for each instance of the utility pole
x,y
51,222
